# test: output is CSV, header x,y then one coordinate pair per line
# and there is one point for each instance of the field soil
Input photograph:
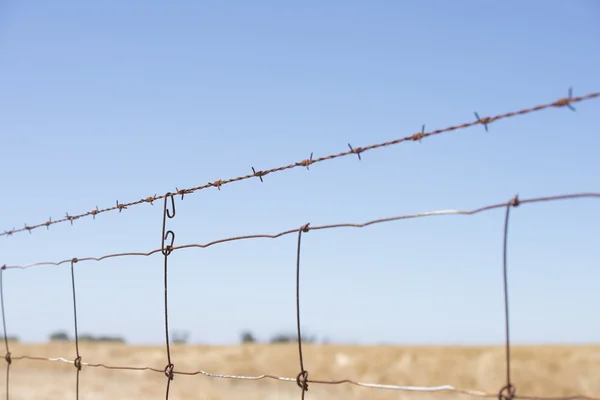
x,y
554,371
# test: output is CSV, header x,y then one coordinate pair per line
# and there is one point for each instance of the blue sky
x,y
120,101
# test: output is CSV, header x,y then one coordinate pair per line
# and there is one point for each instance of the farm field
x,y
536,370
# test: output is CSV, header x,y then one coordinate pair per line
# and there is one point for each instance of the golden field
x,y
536,370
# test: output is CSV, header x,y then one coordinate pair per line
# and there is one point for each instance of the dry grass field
x,y
537,371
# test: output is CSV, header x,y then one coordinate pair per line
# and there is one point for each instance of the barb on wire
x,y
306,163
563,102
260,174
441,388
483,121
7,356
77,361
166,251
356,151
120,207
314,228
568,104
420,135
302,378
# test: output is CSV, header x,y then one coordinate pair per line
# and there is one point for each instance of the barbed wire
x,y
485,121
312,228
507,392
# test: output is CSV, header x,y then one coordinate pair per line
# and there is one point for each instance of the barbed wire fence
x,y
506,392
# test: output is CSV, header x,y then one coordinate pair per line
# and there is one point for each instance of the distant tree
x,y
247,337
116,339
282,338
10,338
291,338
86,338
60,336
309,339
180,337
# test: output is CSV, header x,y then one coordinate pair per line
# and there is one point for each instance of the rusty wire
x,y
321,227
7,356
77,361
369,385
508,391
485,121
166,251
302,380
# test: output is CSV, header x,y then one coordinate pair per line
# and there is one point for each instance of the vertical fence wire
x,y
302,378
508,390
166,251
77,362
7,356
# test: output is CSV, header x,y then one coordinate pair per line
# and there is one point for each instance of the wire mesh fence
x,y
302,379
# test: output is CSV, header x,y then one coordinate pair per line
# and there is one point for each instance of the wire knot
x,y
562,102
216,184
8,358
418,136
74,260
302,380
305,228
507,392
566,102
77,363
169,371
515,201
306,163
356,151
260,174
168,248
70,218
121,207
180,191
150,200
485,121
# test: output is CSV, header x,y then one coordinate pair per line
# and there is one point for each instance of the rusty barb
x,y
485,121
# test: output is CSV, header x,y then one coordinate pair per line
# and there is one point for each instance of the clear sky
x,y
106,101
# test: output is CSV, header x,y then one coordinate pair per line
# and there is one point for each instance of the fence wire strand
x,y
507,392
166,251
302,380
77,361
369,385
315,228
7,356
485,121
